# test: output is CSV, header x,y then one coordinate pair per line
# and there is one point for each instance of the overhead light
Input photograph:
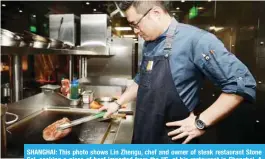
x,y
3,5
212,27
129,36
182,1
209,0
123,28
94,9
216,28
177,8
20,11
261,43
34,16
87,3
174,13
233,45
200,8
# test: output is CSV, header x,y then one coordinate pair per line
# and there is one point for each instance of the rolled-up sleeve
x,y
137,78
223,68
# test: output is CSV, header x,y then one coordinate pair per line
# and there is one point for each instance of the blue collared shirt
x,y
197,54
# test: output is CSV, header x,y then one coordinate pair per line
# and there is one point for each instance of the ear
x,y
157,11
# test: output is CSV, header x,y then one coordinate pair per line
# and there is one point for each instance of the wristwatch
x,y
199,123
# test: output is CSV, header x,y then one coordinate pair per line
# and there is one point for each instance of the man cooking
x,y
176,57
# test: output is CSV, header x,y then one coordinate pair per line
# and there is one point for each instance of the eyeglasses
x,y
136,24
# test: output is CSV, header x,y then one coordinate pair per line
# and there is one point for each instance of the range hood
x,y
95,33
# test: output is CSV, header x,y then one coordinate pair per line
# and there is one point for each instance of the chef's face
x,y
145,25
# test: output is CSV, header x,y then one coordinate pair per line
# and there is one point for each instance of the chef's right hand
x,y
111,108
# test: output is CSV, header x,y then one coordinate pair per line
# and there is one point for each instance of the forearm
x,y
129,95
222,107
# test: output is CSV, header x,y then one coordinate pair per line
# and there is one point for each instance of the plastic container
x,y
74,93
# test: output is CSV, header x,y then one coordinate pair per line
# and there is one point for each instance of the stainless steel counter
x,y
120,131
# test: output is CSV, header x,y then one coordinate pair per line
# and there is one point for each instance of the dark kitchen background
x,y
240,25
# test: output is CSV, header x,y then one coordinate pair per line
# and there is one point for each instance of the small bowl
x,y
105,100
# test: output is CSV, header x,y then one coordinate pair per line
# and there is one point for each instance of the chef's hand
x,y
186,128
111,108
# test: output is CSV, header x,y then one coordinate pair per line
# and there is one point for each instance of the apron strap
x,y
170,37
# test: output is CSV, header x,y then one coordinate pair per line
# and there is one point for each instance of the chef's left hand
x,y
186,128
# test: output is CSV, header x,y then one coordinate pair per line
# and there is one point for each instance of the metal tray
x,y
50,87
71,102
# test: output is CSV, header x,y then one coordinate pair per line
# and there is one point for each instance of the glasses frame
x,y
136,24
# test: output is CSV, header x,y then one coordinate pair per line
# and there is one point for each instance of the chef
x,y
176,58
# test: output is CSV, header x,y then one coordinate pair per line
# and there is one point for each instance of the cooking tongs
x,y
86,119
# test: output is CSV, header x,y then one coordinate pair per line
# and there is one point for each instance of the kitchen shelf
x,y
95,51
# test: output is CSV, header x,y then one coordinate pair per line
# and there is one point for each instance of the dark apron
x,y
158,101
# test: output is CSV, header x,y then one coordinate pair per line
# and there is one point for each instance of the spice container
x,y
88,96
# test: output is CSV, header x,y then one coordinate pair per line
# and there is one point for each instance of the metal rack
x,y
18,52
95,51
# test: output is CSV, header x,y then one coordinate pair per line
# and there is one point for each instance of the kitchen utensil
x,y
59,31
67,45
71,109
23,42
6,90
50,87
9,38
105,100
36,41
56,44
71,102
80,121
38,44
35,37
87,96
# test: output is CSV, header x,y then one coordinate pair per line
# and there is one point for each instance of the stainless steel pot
x,y
36,41
39,44
23,42
9,38
56,44
36,37
3,128
6,90
67,45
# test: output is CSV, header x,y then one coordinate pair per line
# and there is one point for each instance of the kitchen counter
x,y
120,130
